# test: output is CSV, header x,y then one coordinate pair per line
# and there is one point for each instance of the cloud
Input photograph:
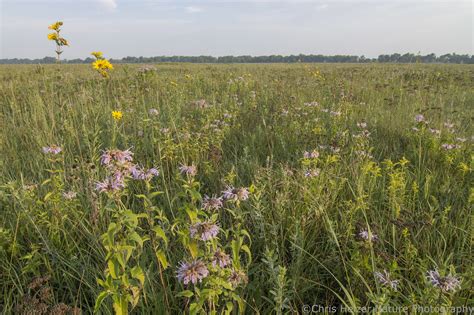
x,y
322,6
193,9
109,4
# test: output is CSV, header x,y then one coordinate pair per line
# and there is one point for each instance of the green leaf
x,y
161,256
185,293
138,274
160,233
100,298
113,268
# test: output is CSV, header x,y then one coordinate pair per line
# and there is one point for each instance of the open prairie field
x,y
228,189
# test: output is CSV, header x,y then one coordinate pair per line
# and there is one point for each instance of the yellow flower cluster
x,y
117,115
56,27
102,65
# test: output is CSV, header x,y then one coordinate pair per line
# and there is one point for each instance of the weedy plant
x,y
56,37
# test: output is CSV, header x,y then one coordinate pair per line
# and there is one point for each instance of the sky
x,y
123,28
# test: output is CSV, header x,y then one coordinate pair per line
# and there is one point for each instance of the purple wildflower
x,y
420,118
235,194
116,156
311,155
449,146
368,236
204,230
190,170
139,173
212,203
446,284
53,149
220,258
312,172
153,112
111,184
69,195
192,272
237,277
384,279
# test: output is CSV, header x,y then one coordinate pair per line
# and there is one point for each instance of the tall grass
x,y
401,183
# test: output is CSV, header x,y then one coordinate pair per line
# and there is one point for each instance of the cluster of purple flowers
x,y
368,236
235,194
204,230
385,279
192,272
212,203
445,284
312,172
52,149
311,155
190,170
120,166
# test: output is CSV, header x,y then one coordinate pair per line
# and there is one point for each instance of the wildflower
x,y
368,236
237,277
153,112
384,279
449,146
53,36
190,170
435,131
312,173
235,194
211,203
311,155
462,140
335,113
192,272
446,284
420,119
117,115
69,195
362,125
55,26
205,230
102,66
53,149
141,174
449,125
116,156
220,258
111,184
97,54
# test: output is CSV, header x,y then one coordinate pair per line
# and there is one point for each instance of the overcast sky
x,y
122,28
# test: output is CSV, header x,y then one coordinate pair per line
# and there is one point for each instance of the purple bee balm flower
x,y
117,156
384,279
220,258
368,236
111,184
420,118
235,194
312,173
237,277
153,112
204,230
190,170
69,195
212,203
193,272
311,155
139,173
53,149
445,284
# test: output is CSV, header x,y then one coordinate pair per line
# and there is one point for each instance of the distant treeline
x,y
393,58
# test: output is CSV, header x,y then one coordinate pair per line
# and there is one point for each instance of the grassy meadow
x,y
229,189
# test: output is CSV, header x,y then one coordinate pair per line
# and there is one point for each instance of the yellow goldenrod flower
x,y
55,26
97,54
117,115
53,36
